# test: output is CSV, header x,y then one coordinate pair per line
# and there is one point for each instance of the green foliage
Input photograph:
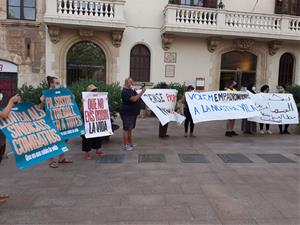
x,y
295,90
114,93
181,88
29,93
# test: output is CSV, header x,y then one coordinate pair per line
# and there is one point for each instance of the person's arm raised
x,y
5,112
138,96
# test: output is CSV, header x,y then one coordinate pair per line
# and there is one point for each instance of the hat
x,y
91,87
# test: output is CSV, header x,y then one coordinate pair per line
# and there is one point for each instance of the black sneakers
x,y
230,134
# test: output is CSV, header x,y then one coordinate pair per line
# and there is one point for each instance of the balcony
x,y
92,14
207,22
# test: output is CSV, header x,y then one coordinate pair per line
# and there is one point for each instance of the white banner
x,y
162,103
96,114
275,108
220,105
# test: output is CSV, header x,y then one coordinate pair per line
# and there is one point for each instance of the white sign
x,y
220,105
162,103
8,67
275,108
96,114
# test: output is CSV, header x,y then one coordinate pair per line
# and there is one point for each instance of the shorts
x,y
128,122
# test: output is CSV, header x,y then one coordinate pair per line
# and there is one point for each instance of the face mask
x,y
57,86
1,96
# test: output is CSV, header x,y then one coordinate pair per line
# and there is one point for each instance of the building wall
x,y
23,43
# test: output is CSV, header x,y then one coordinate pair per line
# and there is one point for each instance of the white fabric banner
x,y
220,105
96,114
162,103
275,108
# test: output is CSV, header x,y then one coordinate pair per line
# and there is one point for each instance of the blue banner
x,y
32,136
60,105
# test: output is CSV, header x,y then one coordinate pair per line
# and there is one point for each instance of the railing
x,y
195,18
90,8
96,13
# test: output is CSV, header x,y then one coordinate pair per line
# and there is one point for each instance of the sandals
x,y
100,153
64,160
88,156
3,197
53,164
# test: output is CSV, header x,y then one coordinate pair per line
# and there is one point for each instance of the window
x,y
201,3
286,69
140,63
290,7
21,9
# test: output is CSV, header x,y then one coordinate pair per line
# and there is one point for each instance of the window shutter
x,y
298,8
278,7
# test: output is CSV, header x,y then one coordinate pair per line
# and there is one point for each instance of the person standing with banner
x,y
249,127
53,83
188,115
264,89
129,111
282,89
91,143
4,114
230,123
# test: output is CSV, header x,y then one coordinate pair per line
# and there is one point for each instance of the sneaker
x,y
261,132
133,145
234,134
287,132
269,132
228,134
128,147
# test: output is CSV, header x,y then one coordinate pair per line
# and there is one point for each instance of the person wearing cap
x,y
129,111
4,114
91,143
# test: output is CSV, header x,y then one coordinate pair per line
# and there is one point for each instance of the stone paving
x,y
206,187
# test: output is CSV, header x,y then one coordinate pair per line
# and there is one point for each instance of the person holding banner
x,y
282,89
53,83
249,127
230,123
188,115
4,114
129,111
264,89
91,143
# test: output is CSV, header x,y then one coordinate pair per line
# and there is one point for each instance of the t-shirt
x,y
129,108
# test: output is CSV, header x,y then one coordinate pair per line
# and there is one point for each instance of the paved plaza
x,y
210,179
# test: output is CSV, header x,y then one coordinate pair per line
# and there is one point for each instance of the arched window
x,y
140,60
286,69
85,60
291,7
239,66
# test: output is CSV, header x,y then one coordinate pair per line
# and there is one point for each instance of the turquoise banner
x,y
32,136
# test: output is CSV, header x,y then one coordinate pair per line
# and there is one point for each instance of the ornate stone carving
x,y
86,33
212,44
116,38
167,40
54,33
244,44
274,46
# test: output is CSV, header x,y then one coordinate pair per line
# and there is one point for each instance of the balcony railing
x,y
93,13
206,21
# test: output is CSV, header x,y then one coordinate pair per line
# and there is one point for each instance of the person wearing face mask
x,y
249,127
129,111
282,89
264,89
53,83
230,123
4,114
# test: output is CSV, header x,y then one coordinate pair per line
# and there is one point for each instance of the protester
x,y
187,114
249,127
91,143
4,114
162,131
282,89
230,123
53,83
129,111
264,89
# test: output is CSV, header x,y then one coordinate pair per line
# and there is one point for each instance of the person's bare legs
x,y
126,139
